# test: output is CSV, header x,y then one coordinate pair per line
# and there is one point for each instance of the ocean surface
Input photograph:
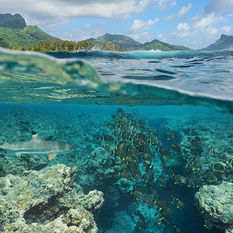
x,y
150,129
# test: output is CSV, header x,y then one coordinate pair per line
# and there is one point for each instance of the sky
x,y
192,23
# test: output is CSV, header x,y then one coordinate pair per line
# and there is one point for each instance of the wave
x,y
141,54
31,78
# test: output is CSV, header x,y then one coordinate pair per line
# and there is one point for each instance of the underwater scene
x,y
116,142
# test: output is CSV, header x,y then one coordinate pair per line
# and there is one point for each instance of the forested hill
x,y
123,42
159,45
14,33
127,43
12,21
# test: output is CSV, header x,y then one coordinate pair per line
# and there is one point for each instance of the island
x,y
16,34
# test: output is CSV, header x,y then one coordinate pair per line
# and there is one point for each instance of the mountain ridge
x,y
16,34
126,42
12,21
223,43
157,44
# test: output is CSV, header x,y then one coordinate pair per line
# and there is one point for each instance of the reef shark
x,y
38,146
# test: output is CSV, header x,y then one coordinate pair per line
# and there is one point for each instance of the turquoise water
x,y
148,127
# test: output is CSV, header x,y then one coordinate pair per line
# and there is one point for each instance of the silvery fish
x,y
38,146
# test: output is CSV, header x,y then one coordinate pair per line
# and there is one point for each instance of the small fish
x,y
38,146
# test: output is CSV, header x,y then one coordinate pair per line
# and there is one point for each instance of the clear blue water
x,y
186,97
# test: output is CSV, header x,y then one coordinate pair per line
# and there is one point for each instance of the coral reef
x,y
149,168
208,152
101,169
18,166
155,163
47,201
216,204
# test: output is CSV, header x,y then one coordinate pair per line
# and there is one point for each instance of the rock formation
x,y
216,204
47,201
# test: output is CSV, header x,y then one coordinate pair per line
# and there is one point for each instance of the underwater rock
x,y
46,201
207,149
216,203
20,166
100,170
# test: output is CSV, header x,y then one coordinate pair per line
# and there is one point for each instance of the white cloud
x,y
200,26
204,28
83,33
183,29
139,25
162,4
227,30
173,4
219,6
199,31
162,37
206,20
195,38
48,11
71,8
212,31
142,37
180,14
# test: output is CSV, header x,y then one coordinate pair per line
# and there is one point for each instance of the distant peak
x,y
12,21
17,15
224,43
111,35
223,36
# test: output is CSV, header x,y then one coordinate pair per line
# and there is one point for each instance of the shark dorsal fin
x,y
35,137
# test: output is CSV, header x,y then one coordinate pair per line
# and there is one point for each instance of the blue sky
x,y
193,23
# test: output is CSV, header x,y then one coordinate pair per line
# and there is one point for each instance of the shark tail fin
x,y
52,156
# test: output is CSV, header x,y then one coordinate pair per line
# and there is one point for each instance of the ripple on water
x,y
153,61
165,71
133,69
182,66
151,77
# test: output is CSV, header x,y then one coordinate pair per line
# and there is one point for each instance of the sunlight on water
x,y
120,81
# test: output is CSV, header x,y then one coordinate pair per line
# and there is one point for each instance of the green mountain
x,y
224,43
12,21
123,42
14,33
157,44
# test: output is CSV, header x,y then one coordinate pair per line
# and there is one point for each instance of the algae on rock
x,y
101,170
47,201
216,203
